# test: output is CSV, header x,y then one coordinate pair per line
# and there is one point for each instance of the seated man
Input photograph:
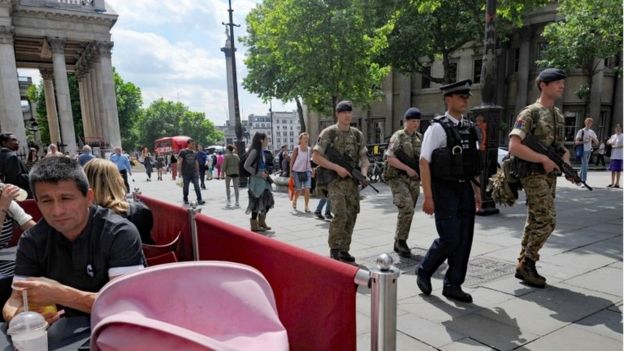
x,y
76,248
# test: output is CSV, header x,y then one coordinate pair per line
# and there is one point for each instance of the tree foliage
x,y
316,50
421,31
129,103
167,118
589,29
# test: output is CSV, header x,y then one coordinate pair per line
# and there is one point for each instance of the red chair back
x,y
171,221
167,257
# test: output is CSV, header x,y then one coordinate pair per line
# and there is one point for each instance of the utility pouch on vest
x,y
447,163
325,176
521,168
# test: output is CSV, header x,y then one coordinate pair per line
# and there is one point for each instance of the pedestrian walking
x,y
301,171
259,186
201,161
544,121
601,153
404,179
86,155
219,163
148,163
615,166
342,190
173,164
160,164
449,169
123,165
231,163
586,137
189,170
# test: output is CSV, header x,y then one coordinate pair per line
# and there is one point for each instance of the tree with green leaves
x,y
589,31
129,103
423,31
167,118
315,50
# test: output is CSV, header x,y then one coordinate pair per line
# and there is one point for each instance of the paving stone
x,y
436,308
573,338
433,334
606,323
467,344
403,343
509,285
607,280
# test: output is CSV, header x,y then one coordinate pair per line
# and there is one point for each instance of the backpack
x,y
504,186
241,165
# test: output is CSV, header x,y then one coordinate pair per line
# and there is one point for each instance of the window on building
x,y
292,140
290,121
476,78
426,82
279,133
453,71
570,118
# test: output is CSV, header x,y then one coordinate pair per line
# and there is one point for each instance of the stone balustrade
x,y
88,5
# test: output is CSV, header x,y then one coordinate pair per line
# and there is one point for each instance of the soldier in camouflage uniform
x,y
342,191
544,121
404,181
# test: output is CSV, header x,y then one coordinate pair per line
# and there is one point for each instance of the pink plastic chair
x,y
207,305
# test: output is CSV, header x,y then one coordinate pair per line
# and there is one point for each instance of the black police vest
x,y
460,159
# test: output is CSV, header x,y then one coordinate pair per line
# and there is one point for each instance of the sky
x,y
172,49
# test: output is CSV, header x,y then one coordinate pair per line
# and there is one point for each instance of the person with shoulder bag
x,y
301,170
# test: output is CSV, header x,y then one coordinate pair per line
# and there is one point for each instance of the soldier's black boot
x,y
400,247
526,271
334,253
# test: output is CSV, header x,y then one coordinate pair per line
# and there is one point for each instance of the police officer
x,y
342,191
545,122
449,165
404,180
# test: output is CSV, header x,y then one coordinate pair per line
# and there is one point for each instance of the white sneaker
x,y
236,204
228,204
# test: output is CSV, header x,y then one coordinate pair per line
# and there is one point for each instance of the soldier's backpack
x,y
504,186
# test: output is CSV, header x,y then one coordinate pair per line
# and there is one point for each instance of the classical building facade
x,y
57,37
516,73
285,129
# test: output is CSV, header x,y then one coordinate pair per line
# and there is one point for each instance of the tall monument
x,y
227,49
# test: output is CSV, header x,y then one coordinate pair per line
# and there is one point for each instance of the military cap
x,y
550,75
461,87
412,113
344,105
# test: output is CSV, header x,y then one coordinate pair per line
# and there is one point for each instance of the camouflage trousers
x,y
541,217
345,199
405,193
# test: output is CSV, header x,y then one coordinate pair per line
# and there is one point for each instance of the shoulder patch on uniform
x,y
519,123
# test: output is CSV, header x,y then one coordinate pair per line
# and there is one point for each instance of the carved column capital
x,y
57,45
104,48
6,34
46,74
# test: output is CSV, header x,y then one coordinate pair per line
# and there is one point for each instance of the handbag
x,y
302,176
578,149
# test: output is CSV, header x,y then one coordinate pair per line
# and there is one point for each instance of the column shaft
x,y
108,94
523,71
50,99
68,135
11,116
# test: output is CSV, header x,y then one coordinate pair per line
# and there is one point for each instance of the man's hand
x,y
41,291
412,173
549,165
9,193
428,205
342,172
478,199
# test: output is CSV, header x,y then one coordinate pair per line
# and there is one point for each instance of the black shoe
x,y
186,201
424,284
203,187
329,216
400,247
457,294
319,215
341,255
201,202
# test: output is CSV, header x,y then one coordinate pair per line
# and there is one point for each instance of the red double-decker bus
x,y
168,145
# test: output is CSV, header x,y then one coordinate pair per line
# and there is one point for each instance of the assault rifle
x,y
409,161
345,162
568,171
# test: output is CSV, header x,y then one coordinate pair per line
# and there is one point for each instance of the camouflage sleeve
x,y
393,145
322,142
523,124
363,149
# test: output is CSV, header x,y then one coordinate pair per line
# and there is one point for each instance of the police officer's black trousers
x,y
454,218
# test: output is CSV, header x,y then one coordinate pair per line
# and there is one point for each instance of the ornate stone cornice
x,y
6,34
47,74
57,45
64,15
104,48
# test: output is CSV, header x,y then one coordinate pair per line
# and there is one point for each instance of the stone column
x,y
95,103
68,135
11,117
102,119
596,92
84,111
108,93
89,105
50,99
522,82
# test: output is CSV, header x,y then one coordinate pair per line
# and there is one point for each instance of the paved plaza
x,y
580,309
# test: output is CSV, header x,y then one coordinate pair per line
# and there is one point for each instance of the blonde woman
x,y
110,192
301,170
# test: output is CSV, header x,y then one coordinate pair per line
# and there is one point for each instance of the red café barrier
x,y
315,295
169,220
